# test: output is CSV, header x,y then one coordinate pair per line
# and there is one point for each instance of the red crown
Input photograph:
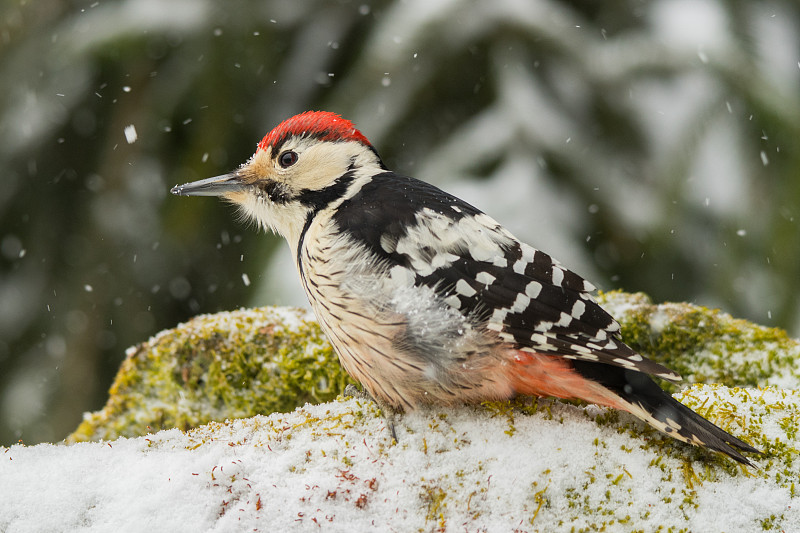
x,y
323,125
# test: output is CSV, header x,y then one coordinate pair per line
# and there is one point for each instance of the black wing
x,y
479,268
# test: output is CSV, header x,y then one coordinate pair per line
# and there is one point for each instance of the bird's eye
x,y
287,159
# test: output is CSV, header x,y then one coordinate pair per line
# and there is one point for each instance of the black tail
x,y
652,404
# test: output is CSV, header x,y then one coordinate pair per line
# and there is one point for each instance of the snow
x,y
130,134
331,467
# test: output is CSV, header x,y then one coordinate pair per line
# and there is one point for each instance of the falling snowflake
x,y
130,134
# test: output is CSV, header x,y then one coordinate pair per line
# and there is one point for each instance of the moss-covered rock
x,y
705,345
259,361
526,464
227,365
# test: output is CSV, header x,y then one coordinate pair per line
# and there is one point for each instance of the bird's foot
x,y
387,410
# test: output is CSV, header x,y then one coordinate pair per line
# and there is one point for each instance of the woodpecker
x,y
426,299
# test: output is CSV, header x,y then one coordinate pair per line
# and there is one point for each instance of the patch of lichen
x,y
228,365
705,345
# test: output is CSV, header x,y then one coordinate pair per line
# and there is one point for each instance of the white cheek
x,y
285,220
317,167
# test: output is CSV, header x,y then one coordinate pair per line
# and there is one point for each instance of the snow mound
x,y
526,465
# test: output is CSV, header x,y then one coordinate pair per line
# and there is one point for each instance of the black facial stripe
x,y
321,198
318,200
276,192
309,219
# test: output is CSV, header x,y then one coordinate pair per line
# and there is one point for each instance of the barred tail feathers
x,y
652,404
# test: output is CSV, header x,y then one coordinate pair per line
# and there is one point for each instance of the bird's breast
x,y
402,341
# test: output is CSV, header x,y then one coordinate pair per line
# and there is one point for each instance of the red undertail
x,y
548,375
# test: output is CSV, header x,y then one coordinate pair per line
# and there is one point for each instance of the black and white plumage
x,y
426,299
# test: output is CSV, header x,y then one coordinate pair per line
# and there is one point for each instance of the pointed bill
x,y
216,186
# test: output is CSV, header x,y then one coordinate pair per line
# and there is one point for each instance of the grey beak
x,y
216,186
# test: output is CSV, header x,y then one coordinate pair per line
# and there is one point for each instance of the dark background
x,y
649,146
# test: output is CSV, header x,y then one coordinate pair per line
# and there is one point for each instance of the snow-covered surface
x,y
330,467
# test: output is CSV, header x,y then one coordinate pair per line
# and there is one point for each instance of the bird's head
x,y
303,165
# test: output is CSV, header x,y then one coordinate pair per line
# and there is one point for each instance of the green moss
x,y
434,501
504,408
228,365
704,345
